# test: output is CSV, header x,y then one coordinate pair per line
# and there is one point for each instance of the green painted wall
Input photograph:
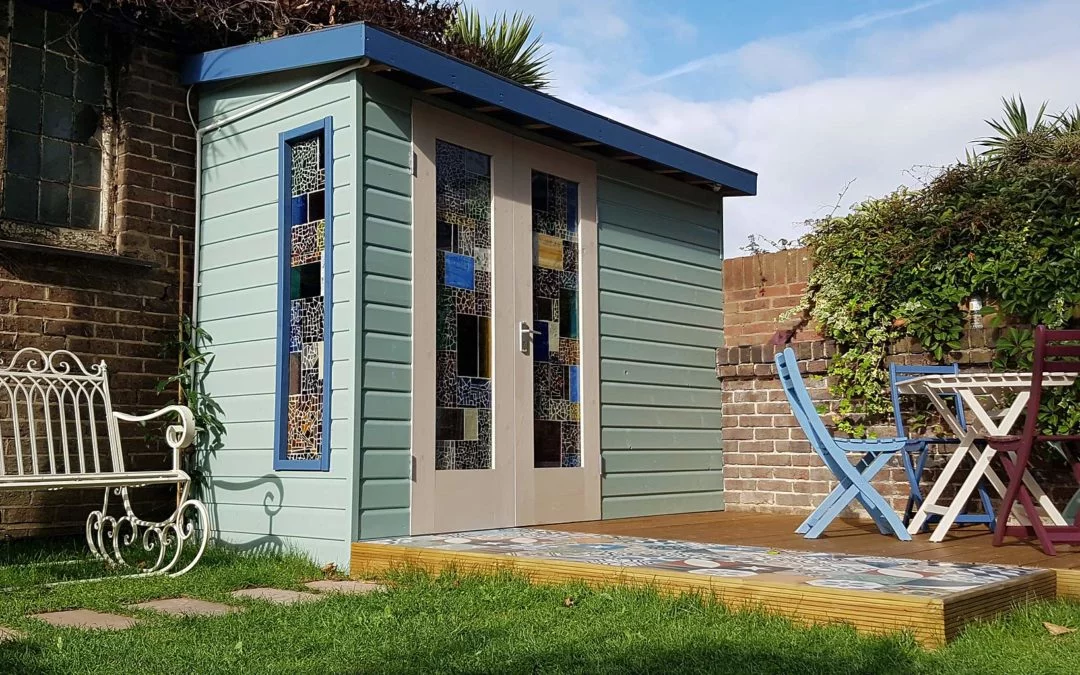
x,y
385,467
661,318
251,505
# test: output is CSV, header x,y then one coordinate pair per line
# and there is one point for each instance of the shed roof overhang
x,y
439,74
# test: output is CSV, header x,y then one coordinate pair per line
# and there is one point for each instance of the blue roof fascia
x,y
330,45
354,41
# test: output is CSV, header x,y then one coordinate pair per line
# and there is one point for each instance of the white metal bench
x,y
58,430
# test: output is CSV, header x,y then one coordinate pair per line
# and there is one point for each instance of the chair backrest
x,y
56,417
802,406
900,374
1056,351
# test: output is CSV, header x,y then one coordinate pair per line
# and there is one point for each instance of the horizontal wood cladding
x,y
661,318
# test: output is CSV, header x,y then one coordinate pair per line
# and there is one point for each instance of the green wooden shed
x,y
441,301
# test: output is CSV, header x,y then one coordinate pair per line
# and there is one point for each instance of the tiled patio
x,y
852,574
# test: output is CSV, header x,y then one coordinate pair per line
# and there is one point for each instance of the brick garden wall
x,y
758,289
768,464
122,305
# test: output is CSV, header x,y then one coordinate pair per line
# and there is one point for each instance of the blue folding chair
x,y
919,448
854,479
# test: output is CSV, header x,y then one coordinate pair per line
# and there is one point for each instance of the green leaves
x,y
1003,227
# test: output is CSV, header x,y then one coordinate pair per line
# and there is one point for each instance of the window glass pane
x,y
55,103
307,338
463,384
556,351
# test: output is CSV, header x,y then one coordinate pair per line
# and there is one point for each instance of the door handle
x,y
526,335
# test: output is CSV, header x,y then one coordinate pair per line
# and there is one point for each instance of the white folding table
x,y
991,414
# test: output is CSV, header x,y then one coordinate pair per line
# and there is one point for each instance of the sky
x,y
829,101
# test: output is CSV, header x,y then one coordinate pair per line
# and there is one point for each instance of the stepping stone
x,y
10,635
345,587
277,596
186,607
86,619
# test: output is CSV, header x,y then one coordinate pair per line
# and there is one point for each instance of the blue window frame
x,y
305,298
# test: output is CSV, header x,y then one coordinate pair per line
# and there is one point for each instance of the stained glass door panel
x,y
556,349
463,374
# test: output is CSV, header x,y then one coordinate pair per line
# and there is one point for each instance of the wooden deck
x,y
932,620
970,544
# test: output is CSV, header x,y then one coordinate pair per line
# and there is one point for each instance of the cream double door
x,y
505,389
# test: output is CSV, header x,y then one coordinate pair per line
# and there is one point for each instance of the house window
x,y
56,103
304,302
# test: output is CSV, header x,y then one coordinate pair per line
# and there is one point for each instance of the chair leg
x,y
837,493
1016,490
860,488
914,476
988,506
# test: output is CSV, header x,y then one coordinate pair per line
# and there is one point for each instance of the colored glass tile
x,y
549,252
568,313
308,174
299,207
547,443
463,308
460,271
306,281
317,205
556,350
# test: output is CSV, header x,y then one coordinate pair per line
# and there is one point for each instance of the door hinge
x,y
412,469
412,164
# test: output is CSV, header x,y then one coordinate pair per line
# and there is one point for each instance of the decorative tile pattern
x,y
556,353
463,308
307,311
824,570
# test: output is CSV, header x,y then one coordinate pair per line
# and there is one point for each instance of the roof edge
x,y
358,40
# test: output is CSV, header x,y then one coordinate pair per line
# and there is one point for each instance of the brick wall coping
x,y
976,349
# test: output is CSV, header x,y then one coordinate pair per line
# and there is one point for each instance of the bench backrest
x,y
56,417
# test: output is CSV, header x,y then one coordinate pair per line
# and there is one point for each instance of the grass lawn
x,y
470,624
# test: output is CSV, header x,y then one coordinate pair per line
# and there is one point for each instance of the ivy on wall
x,y
1001,227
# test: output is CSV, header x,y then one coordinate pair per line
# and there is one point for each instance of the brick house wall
x,y
110,293
768,463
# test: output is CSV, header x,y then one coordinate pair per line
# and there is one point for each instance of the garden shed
x,y
443,301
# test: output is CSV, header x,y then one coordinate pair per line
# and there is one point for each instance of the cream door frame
x,y
480,498
565,494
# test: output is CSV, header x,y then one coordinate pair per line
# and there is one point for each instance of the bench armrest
x,y
178,436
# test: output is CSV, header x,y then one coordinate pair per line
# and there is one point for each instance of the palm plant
x,y
1019,138
504,46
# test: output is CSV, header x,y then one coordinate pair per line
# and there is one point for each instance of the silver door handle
x,y
526,334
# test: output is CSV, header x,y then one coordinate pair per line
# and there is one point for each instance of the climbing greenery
x,y
1001,226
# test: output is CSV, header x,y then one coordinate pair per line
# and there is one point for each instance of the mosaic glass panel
x,y
556,352
463,308
307,311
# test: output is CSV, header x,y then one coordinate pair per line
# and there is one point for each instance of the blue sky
x,y
816,95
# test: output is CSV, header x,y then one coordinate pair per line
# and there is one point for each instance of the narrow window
x,y
305,272
57,82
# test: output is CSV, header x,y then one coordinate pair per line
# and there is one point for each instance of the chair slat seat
x,y
92,480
